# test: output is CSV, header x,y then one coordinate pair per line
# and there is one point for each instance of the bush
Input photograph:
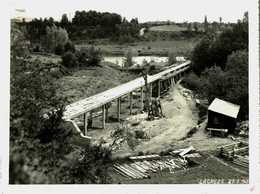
x,y
128,62
59,50
69,60
89,57
171,58
69,46
192,82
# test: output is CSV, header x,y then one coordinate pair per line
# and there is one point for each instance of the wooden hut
x,y
222,116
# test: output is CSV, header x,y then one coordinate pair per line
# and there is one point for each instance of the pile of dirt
x,y
180,116
92,80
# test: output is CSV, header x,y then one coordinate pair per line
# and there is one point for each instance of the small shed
x,y
222,115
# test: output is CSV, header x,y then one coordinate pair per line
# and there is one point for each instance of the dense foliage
x,y
214,48
221,64
84,57
87,25
230,84
41,143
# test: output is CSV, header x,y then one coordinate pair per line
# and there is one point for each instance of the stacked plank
x,y
230,150
152,156
241,151
142,169
227,151
241,161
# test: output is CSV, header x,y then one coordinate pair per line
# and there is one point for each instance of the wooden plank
x,y
215,129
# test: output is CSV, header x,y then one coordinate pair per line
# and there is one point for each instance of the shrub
x,y
69,60
59,49
69,46
193,82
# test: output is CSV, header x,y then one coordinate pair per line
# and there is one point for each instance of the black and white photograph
x,y
132,93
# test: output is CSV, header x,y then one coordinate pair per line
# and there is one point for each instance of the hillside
x,y
89,81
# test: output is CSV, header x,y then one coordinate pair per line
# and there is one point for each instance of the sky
x,y
144,10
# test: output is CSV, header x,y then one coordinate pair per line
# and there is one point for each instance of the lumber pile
x,y
138,169
227,151
183,151
230,150
241,151
241,161
146,157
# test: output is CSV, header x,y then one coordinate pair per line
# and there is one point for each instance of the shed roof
x,y
224,107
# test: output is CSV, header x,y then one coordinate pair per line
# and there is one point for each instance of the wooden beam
x,y
85,123
131,102
142,98
106,113
118,108
103,116
172,82
151,90
90,119
159,88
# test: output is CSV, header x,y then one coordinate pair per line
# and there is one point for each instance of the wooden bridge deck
x,y
86,105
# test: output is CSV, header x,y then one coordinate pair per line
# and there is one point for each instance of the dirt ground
x,y
181,115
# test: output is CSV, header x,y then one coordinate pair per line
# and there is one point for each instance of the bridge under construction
x,y
87,106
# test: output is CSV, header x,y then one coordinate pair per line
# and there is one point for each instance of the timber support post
x,y
85,123
106,109
172,82
103,116
131,102
151,90
142,98
159,88
118,108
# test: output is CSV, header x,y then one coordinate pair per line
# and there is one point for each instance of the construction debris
x,y
152,156
141,169
187,150
243,129
181,152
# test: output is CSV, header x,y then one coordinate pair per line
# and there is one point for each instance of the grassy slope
x,y
89,81
157,47
168,28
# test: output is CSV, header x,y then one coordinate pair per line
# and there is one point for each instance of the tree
x,y
214,49
215,84
230,85
64,21
55,36
206,25
128,62
237,77
69,46
201,56
171,58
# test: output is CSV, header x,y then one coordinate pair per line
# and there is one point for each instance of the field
x,y
158,47
167,28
